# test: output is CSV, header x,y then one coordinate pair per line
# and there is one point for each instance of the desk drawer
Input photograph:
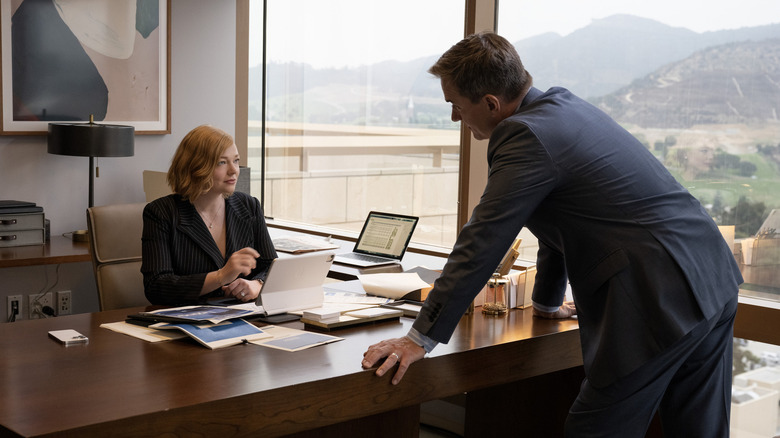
x,y
21,238
25,221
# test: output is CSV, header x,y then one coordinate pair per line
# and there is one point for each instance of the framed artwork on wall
x,y
66,60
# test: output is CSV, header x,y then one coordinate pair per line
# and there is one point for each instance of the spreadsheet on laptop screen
x,y
386,235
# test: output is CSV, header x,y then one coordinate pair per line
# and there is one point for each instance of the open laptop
x,y
383,240
294,282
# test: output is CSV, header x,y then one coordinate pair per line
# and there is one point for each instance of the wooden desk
x,y
121,386
58,250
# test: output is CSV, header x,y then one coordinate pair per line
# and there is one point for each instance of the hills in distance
x,y
638,70
736,83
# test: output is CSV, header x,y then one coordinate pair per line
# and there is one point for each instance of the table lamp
x,y
91,140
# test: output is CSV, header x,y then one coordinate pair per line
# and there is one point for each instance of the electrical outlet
x,y
64,302
38,302
14,302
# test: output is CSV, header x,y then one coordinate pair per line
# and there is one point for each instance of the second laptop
x,y
383,240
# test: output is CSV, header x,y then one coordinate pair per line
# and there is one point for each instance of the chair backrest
x,y
115,243
155,184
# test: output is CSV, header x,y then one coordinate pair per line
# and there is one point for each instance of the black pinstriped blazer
x,y
178,250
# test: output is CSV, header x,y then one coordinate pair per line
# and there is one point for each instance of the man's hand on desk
x,y
567,310
401,351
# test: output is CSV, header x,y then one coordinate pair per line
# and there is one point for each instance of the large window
x,y
699,84
700,90
353,120
354,123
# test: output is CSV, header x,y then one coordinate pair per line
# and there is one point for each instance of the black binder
x,y
18,207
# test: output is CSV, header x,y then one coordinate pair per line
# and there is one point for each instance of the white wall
x,y
203,42
202,91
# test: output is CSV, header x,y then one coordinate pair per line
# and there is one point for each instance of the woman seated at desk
x,y
205,239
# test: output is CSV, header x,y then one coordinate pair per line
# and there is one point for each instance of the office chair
x,y
155,185
115,244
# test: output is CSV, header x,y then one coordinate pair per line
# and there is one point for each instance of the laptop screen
x,y
386,234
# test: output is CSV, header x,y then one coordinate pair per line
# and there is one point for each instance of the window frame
x,y
757,320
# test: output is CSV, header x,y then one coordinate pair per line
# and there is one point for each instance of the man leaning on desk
x,y
655,284
206,239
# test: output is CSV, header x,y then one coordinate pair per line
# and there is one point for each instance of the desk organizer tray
x,y
21,229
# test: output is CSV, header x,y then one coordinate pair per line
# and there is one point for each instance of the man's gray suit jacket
x,y
645,261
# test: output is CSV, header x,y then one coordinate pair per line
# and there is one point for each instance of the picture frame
x,y
63,61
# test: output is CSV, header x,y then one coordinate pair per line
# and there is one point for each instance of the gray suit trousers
x,y
689,385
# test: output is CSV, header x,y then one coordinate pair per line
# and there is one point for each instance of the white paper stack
x,y
322,314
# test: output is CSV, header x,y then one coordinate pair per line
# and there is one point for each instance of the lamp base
x,y
80,236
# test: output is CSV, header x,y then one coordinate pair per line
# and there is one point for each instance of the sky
x,y
368,31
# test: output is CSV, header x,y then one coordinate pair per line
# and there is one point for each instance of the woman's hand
x,y
243,290
401,351
240,262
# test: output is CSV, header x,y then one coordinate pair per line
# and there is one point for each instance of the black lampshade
x,y
91,140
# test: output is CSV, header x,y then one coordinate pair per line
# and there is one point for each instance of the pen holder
x,y
496,295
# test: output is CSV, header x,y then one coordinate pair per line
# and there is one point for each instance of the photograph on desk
x,y
225,334
195,314
140,330
220,335
290,339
